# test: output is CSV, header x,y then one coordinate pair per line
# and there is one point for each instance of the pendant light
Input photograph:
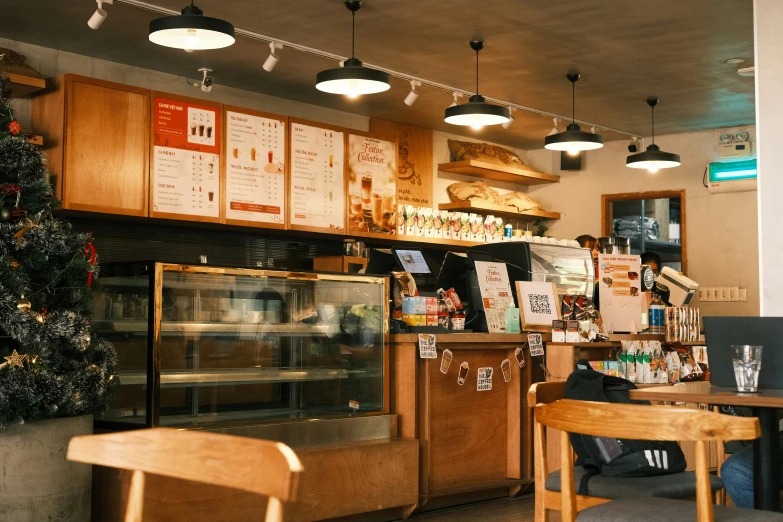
x,y
653,158
573,140
191,31
352,79
477,112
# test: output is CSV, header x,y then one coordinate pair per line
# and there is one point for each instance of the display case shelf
x,y
483,207
217,328
486,170
230,376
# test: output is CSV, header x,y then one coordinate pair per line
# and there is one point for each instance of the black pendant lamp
x,y
352,79
477,113
573,140
653,158
191,31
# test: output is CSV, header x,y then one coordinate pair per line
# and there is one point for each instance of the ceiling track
x,y
251,35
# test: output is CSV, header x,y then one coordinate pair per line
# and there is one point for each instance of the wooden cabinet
x,y
98,136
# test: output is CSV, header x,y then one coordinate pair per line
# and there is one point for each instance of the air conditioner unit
x,y
732,176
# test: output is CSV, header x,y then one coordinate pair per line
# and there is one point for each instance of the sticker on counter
x,y
536,344
505,367
427,348
463,373
484,381
519,355
354,405
445,361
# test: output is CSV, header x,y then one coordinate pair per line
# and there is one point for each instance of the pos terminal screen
x,y
412,261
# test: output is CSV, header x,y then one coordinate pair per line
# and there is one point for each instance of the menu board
x,y
372,185
317,177
496,293
255,168
186,158
621,304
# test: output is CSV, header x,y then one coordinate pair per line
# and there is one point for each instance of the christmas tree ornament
x,y
14,127
23,304
5,215
14,263
15,359
89,250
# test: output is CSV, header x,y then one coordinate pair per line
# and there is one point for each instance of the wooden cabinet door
x,y
107,136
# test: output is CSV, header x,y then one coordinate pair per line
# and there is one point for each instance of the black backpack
x,y
616,457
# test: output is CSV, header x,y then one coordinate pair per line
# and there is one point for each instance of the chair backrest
x,y
258,466
545,392
630,421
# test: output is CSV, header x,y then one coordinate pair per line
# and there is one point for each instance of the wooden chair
x,y
258,466
548,497
629,421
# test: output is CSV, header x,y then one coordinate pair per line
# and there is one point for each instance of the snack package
x,y
429,223
473,228
465,226
558,331
489,229
689,368
499,230
663,375
420,219
437,224
572,331
404,286
480,227
450,299
673,365
646,360
455,225
410,220
445,219
567,307
401,219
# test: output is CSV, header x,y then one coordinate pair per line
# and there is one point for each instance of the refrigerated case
x,y
223,348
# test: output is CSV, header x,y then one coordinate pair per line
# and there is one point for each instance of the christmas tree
x,y
54,366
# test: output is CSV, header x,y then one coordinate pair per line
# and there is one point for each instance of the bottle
x,y
656,315
512,320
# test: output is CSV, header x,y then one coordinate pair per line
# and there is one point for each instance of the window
x,y
654,221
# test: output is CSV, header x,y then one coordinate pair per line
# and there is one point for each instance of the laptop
x,y
723,332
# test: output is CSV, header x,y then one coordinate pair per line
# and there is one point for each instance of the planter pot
x,y
36,482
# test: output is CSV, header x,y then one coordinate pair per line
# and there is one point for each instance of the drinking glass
x,y
747,364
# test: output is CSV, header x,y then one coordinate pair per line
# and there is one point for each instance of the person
x,y
652,260
737,475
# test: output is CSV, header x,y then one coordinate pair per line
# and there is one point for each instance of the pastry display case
x,y
221,348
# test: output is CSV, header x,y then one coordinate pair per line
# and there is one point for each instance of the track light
x,y
511,118
272,59
99,16
457,96
412,96
556,128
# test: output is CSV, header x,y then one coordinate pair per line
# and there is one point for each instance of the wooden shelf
x,y
21,85
35,140
485,170
395,239
480,206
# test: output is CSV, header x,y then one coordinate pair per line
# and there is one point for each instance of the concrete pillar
x,y
767,23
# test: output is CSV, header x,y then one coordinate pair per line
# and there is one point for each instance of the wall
x,y
722,238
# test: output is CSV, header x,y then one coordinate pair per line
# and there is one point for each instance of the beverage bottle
x,y
656,315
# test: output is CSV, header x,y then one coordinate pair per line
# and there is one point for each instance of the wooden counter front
x,y
470,442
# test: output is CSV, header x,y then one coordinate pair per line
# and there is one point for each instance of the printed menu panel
x,y
495,293
186,159
620,290
317,177
372,185
255,168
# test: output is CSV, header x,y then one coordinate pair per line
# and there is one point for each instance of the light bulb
x,y
573,152
191,40
653,168
476,126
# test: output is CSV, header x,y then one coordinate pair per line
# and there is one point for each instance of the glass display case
x,y
208,347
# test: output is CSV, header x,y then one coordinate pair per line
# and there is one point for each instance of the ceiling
x,y
624,50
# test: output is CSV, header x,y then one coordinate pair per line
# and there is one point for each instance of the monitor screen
x,y
412,260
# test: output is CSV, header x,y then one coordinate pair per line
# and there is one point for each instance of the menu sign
x,y
186,159
621,301
372,185
495,293
317,177
255,168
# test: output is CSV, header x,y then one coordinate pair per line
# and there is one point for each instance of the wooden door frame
x,y
608,199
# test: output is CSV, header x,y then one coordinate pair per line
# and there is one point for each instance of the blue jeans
x,y
737,475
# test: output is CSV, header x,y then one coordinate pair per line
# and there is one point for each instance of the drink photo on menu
x,y
372,185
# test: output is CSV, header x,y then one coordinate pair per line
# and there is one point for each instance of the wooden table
x,y
766,449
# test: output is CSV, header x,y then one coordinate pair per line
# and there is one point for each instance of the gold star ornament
x,y
15,360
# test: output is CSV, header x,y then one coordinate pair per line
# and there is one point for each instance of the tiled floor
x,y
518,509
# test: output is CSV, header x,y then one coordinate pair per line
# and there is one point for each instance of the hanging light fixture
x,y
477,112
653,158
352,79
191,31
573,140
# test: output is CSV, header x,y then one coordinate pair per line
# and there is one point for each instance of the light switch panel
x,y
710,293
718,291
743,294
726,293
734,293
702,293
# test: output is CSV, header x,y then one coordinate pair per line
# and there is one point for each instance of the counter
x,y
472,444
